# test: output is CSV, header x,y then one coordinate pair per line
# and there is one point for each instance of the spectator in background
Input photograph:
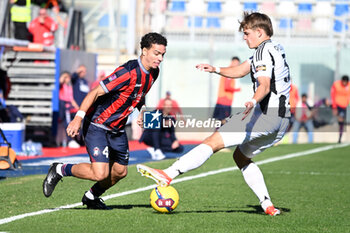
x,y
163,139
100,76
4,117
293,100
80,89
68,106
80,84
175,109
303,118
340,95
8,113
225,95
20,16
43,28
57,5
322,113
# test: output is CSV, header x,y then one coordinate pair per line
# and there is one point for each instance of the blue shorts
x,y
221,112
341,112
105,146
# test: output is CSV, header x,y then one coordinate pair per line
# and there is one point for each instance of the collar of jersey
x,y
264,42
142,67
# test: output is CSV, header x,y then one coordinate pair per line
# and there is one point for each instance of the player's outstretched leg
x,y
157,175
51,180
255,180
94,203
271,210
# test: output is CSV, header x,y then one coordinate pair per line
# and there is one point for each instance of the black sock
x,y
97,190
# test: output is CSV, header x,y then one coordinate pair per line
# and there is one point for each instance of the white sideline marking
x,y
288,156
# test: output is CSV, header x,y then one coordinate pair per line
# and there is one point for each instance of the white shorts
x,y
255,133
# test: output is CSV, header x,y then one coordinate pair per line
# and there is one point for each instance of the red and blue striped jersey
x,y
125,90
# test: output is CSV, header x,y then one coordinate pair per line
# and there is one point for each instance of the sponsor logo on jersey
x,y
261,68
96,151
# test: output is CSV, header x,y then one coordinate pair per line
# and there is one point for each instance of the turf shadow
x,y
128,206
124,207
256,210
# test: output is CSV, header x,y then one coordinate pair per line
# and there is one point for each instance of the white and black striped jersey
x,y
269,60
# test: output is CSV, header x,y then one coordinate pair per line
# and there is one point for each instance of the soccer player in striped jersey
x,y
264,120
107,108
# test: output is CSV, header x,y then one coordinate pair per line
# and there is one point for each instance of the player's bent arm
x,y
91,97
74,126
235,72
260,93
263,88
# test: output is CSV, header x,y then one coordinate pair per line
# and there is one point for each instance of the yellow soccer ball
x,y
164,199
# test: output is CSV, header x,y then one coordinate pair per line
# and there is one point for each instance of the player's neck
x,y
143,62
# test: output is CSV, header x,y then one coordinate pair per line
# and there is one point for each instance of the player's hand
x,y
206,68
139,120
74,127
248,108
175,145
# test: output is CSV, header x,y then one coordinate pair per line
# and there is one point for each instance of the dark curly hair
x,y
152,38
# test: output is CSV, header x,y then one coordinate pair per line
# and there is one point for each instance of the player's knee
x,y
240,159
215,142
119,173
100,175
122,174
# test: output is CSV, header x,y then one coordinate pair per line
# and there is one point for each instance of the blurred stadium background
x,y
105,34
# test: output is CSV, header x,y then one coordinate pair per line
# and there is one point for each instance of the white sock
x,y
59,169
255,180
89,195
192,160
266,204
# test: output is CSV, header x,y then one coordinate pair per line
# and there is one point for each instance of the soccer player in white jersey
x,y
264,120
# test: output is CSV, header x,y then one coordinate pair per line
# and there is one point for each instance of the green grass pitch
x,y
312,191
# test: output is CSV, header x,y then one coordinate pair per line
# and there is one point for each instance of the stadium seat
x,y
104,21
124,20
213,22
268,7
341,9
322,25
195,7
286,23
177,6
323,8
286,8
304,8
198,21
338,26
233,8
177,22
250,6
230,23
214,7
304,24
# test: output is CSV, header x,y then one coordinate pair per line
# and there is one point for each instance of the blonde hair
x,y
256,20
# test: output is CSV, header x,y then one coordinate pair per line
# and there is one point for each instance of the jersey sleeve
x,y
263,63
118,80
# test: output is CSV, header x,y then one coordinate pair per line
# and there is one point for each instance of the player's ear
x,y
260,32
144,51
